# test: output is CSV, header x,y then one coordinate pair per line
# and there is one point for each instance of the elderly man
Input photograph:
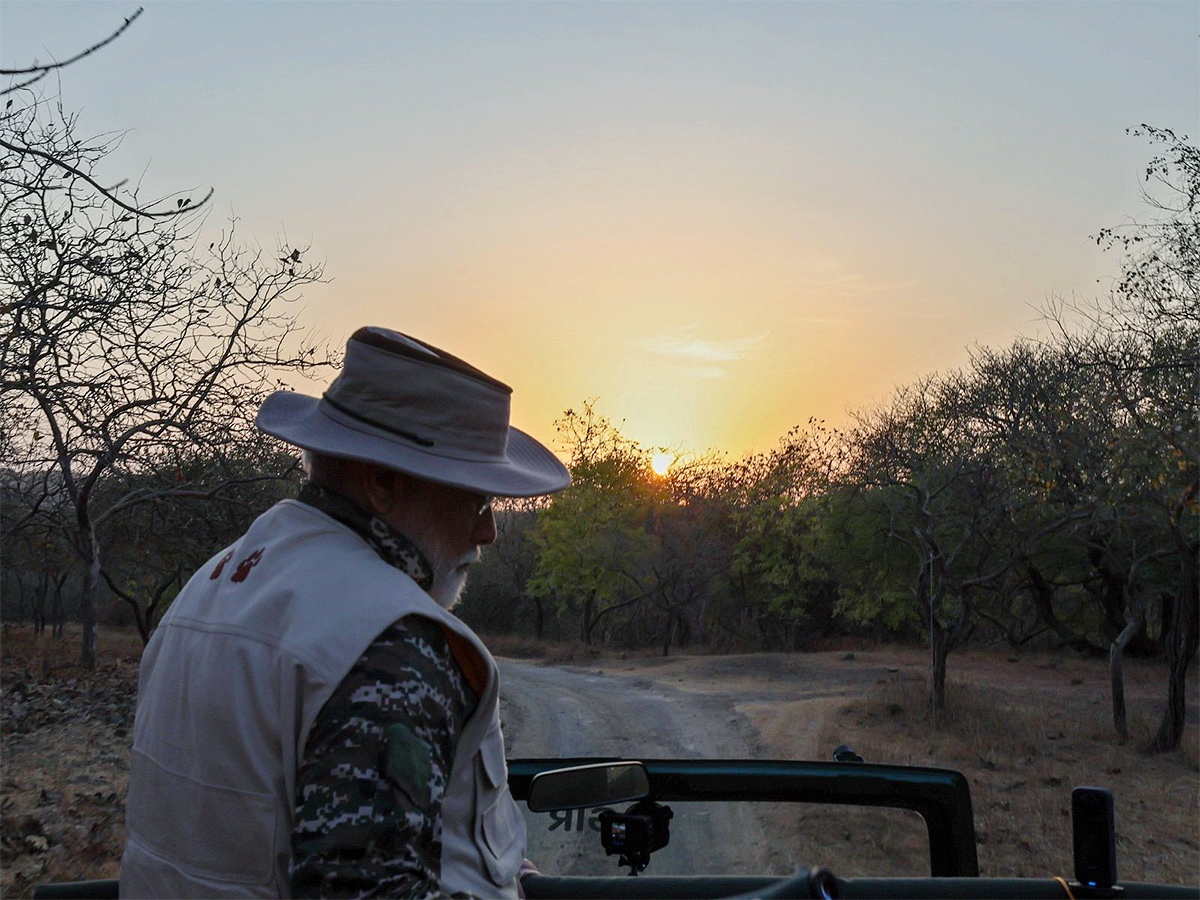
x,y
311,719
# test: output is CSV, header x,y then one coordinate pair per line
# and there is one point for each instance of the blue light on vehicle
x,y
1091,884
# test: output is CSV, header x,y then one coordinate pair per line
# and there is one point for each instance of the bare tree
x,y
1157,307
1141,345
123,342
164,533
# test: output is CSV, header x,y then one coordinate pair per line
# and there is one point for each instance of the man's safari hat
x,y
406,405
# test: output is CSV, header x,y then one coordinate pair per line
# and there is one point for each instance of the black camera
x,y
635,833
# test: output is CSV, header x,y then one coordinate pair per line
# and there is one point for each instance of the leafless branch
x,y
184,205
40,71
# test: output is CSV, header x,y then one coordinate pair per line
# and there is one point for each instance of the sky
x,y
717,219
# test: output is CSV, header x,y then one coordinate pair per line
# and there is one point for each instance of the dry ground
x,y
1024,730
65,757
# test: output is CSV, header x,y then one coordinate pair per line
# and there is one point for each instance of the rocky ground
x,y
65,759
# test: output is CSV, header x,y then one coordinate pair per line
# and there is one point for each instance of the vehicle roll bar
x,y
942,797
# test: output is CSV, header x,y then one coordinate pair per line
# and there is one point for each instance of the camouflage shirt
x,y
374,771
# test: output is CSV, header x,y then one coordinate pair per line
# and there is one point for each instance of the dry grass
x,y
1024,730
1022,757
516,647
42,655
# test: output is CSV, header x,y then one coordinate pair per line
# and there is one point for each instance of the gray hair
x,y
323,468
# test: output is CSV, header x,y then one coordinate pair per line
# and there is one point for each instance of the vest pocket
x,y
499,825
491,757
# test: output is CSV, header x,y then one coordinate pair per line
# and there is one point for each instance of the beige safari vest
x,y
230,685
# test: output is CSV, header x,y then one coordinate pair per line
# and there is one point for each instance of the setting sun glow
x,y
661,461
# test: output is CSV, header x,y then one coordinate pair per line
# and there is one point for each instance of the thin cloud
x,y
707,372
686,344
836,274
850,282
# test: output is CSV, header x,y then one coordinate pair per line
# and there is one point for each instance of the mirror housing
x,y
598,784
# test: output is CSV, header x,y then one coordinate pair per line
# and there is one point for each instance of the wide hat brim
x,y
526,469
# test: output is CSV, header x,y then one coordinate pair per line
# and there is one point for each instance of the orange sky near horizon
x,y
717,219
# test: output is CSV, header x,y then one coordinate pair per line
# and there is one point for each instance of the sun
x,y
661,461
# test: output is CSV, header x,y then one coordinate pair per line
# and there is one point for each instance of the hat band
x,y
374,423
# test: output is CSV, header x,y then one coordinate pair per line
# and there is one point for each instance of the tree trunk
x,y
60,617
1110,592
702,622
938,648
1181,640
938,640
141,618
40,594
1116,669
87,600
19,588
667,634
587,623
937,673
21,598
1042,594
539,617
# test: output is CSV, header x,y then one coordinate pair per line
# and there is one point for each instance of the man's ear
x,y
383,489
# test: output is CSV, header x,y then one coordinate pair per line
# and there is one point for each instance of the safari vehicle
x,y
567,788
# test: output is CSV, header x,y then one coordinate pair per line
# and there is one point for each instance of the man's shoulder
x,y
411,646
417,627
409,662
287,581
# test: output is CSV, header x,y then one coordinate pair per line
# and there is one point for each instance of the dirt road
x,y
558,712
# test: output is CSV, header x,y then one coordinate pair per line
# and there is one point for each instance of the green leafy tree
x,y
592,540
920,469
852,540
692,534
788,587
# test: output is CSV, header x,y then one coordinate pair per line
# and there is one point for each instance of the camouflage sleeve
x,y
375,768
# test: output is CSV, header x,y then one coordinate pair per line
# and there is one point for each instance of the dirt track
x,y
557,712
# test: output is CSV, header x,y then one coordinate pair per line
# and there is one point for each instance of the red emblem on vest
x,y
216,573
246,565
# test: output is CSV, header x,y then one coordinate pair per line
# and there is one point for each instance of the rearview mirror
x,y
583,786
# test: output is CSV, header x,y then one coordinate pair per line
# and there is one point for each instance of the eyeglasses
x,y
482,503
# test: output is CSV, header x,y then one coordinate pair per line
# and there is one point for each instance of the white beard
x,y
450,577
